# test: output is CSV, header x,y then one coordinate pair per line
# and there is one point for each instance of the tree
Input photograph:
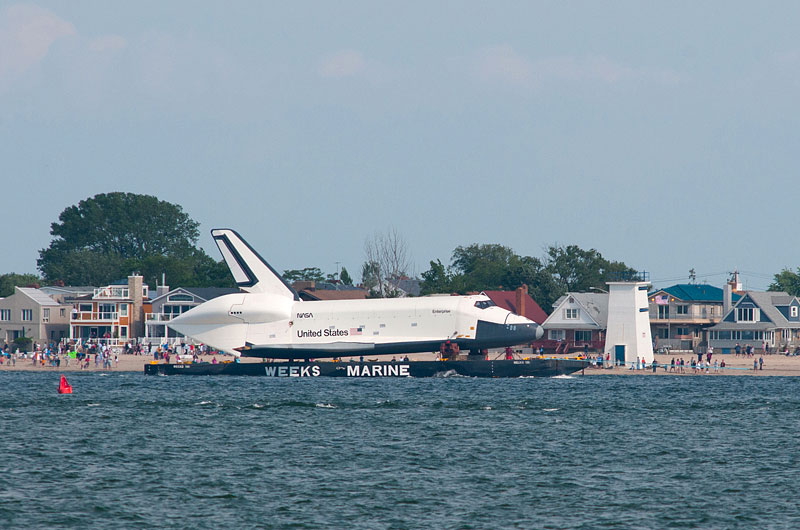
x,y
478,267
108,236
387,261
575,269
309,274
11,280
786,281
370,271
345,278
437,279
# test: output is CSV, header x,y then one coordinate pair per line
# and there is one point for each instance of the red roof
x,y
508,300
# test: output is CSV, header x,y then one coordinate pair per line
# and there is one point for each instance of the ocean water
x,y
129,451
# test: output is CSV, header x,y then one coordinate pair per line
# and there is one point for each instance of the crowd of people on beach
x,y
680,365
105,357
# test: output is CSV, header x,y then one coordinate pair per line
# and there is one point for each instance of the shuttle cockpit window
x,y
483,304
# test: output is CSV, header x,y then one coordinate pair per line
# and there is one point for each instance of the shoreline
x,y
774,365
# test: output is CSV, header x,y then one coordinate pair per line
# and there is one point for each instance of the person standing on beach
x,y
738,349
761,363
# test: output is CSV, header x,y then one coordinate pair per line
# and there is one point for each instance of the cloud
x,y
26,34
344,63
503,64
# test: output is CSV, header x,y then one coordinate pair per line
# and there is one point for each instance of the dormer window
x,y
747,314
793,311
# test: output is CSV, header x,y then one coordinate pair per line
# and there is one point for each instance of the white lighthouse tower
x,y
628,335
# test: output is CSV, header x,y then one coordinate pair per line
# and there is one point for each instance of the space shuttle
x,y
268,319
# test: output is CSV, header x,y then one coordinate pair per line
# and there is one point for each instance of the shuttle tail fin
x,y
250,271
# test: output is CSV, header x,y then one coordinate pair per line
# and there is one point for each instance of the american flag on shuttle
x,y
356,331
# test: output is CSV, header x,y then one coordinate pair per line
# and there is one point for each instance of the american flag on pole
x,y
356,331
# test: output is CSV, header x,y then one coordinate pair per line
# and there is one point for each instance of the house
x,y
518,302
61,293
680,315
31,313
168,304
578,321
764,320
113,314
312,291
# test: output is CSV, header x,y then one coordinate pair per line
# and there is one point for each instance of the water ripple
x,y
585,452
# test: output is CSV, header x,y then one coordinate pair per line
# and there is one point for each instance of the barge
x,y
536,367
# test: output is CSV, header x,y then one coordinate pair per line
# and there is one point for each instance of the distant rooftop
x,y
37,296
693,292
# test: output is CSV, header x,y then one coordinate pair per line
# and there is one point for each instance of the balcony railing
x,y
111,292
94,316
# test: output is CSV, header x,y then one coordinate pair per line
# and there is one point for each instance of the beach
x,y
774,365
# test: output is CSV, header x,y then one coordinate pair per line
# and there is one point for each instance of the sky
x,y
663,134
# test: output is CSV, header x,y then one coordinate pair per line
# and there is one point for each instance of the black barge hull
x,y
504,368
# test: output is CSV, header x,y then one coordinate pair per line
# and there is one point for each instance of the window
x,y
123,332
583,335
185,298
555,334
46,315
62,312
107,311
747,314
682,331
5,315
682,309
571,314
794,311
663,311
27,315
85,308
123,309
483,304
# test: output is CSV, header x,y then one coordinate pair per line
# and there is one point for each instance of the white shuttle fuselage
x,y
269,320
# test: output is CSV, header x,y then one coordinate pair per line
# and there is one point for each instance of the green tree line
x,y
111,235
477,268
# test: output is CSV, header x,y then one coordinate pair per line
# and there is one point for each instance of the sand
x,y
774,365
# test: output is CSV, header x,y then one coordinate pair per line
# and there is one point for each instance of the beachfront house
x,y
681,315
31,313
578,321
762,320
168,304
518,302
113,314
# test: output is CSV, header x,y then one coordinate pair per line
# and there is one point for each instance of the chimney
x,y
521,292
726,298
136,318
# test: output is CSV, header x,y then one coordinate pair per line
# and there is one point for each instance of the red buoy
x,y
64,387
